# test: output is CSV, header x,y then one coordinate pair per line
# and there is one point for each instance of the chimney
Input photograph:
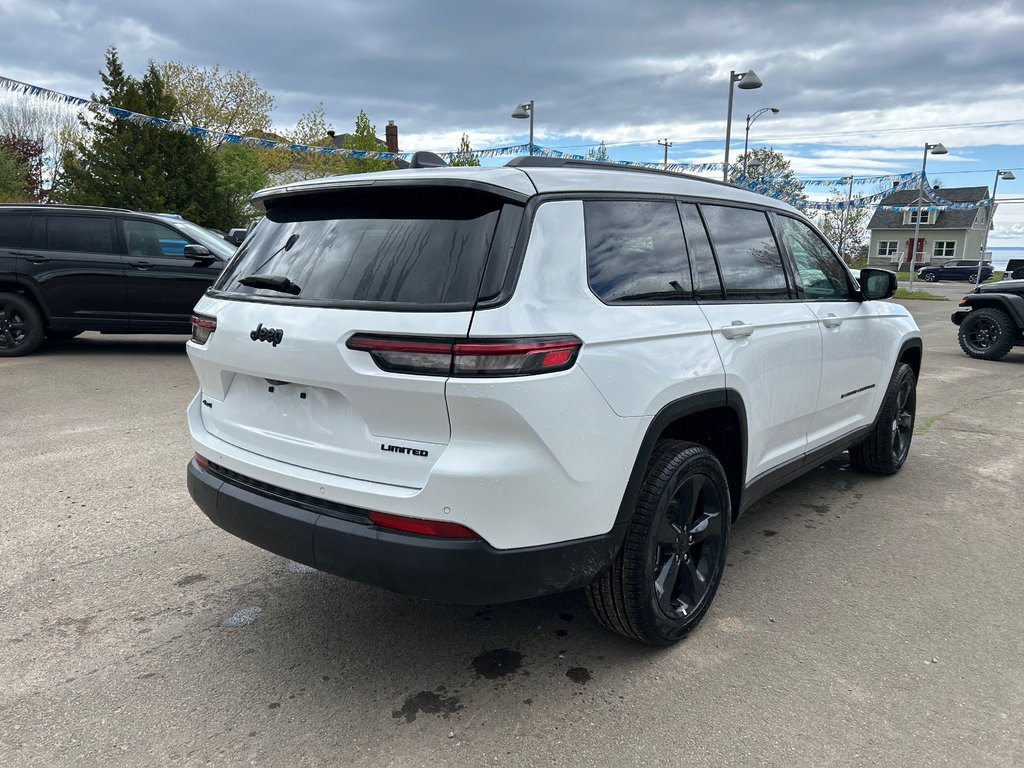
x,y
895,184
391,136
330,134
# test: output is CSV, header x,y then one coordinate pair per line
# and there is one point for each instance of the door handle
x,y
832,321
34,258
737,329
141,264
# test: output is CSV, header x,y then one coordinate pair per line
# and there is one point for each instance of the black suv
x,y
68,269
956,269
991,319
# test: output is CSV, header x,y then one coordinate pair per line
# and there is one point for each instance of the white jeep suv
x,y
485,384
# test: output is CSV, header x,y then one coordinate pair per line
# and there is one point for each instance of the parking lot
x,y
862,620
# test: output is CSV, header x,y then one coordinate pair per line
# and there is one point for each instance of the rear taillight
x,y
202,327
476,357
421,526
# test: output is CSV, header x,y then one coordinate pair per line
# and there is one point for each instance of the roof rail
x,y
539,161
58,206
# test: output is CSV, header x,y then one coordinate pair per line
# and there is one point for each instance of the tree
x,y
312,130
774,171
53,125
598,153
13,188
464,156
241,171
27,155
844,228
229,102
144,167
365,138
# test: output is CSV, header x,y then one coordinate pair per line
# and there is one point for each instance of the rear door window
x,y
636,251
384,247
83,234
748,256
14,230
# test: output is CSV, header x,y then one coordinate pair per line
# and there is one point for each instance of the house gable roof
x,y
961,219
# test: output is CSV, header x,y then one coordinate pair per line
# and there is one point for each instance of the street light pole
x,y
523,111
935,149
748,81
1008,175
746,136
846,216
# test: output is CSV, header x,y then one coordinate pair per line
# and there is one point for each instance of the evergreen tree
x,y
13,188
365,138
598,153
143,167
464,156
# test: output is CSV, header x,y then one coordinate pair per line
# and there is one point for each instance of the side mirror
x,y
877,283
198,252
236,236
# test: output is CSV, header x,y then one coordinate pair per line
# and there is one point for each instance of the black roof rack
x,y
60,206
538,161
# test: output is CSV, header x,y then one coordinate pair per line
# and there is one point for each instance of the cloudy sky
x,y
861,86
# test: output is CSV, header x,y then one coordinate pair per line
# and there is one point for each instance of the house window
x,y
919,217
887,247
944,249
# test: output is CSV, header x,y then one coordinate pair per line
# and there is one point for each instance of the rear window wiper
x,y
271,282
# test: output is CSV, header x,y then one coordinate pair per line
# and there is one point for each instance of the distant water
x,y
1000,255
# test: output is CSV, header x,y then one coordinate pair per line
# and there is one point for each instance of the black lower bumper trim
x,y
467,571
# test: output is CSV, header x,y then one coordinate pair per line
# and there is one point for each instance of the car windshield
x,y
220,247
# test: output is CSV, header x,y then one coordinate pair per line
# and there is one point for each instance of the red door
x,y
910,250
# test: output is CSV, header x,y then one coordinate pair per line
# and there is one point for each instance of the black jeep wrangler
x,y
991,319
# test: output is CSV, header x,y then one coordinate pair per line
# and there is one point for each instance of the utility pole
x,y
666,144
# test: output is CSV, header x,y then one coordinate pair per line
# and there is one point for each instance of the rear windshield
x,y
384,247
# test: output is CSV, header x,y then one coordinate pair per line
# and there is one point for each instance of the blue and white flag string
x,y
761,186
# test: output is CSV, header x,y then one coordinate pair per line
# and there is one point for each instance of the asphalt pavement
x,y
861,621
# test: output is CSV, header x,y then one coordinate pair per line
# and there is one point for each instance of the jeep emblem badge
x,y
273,335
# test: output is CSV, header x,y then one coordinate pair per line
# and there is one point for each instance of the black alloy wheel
x,y
21,328
930,277
663,580
987,333
886,449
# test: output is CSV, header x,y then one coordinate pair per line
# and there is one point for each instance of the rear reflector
x,y
202,461
479,357
202,327
425,527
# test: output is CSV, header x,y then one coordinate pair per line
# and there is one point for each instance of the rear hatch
x,y
278,376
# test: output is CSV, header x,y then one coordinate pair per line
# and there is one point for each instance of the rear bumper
x,y
450,570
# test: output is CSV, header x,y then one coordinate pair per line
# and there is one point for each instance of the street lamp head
x,y
938,149
523,110
775,110
747,81
1007,175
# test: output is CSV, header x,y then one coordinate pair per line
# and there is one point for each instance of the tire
x,y
930,277
885,450
664,578
973,278
21,326
987,333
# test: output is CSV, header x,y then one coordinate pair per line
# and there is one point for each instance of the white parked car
x,y
486,384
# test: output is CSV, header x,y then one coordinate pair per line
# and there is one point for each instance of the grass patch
x,y
903,293
921,427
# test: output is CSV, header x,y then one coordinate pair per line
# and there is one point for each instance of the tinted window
x,y
79,233
147,238
14,230
397,246
636,251
818,269
706,284
748,257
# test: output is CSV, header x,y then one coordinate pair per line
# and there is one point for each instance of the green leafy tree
x,y
365,138
845,229
241,171
598,153
27,157
13,187
144,167
230,102
464,156
312,130
770,167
